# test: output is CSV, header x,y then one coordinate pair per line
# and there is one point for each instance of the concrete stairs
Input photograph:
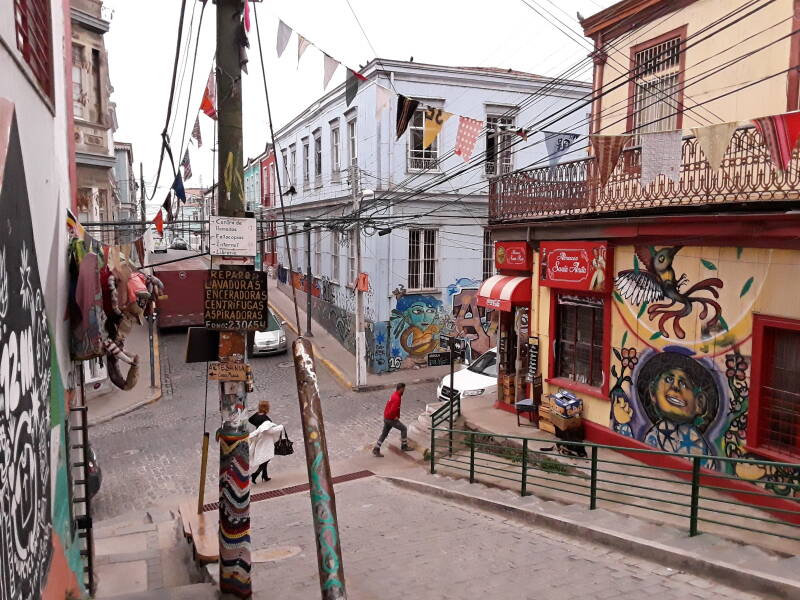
x,y
744,566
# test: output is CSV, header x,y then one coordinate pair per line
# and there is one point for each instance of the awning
x,y
501,292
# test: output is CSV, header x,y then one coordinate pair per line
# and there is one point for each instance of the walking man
x,y
391,418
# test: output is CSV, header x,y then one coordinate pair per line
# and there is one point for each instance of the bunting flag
x,y
177,187
468,131
557,144
661,155
383,99
351,86
139,244
302,44
284,34
780,133
607,149
406,107
187,166
159,222
167,205
331,64
432,125
196,132
714,141
246,19
209,103
523,133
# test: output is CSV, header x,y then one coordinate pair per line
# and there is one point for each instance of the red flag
x,y
468,131
209,103
780,133
247,15
159,222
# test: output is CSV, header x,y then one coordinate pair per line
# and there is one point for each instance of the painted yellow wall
x,y
768,97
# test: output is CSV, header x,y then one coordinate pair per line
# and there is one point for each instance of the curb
x,y
692,562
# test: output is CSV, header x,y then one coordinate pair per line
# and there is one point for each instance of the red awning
x,y
501,292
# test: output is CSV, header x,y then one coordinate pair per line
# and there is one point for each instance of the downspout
x,y
599,58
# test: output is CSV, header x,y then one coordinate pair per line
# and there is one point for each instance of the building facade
x,y
40,548
126,186
670,307
424,268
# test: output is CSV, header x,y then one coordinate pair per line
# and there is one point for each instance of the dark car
x,y
179,244
95,474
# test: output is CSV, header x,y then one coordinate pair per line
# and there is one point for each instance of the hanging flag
x,y
139,244
405,110
187,166
159,222
196,132
522,132
432,125
468,131
284,33
714,141
247,15
780,133
177,187
209,102
167,206
661,155
607,149
383,98
302,44
557,144
351,87
244,44
331,64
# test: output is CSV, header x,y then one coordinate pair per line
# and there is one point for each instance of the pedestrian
x,y
391,418
257,419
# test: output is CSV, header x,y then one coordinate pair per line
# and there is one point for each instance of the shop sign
x,y
232,236
533,358
513,256
236,300
225,371
575,266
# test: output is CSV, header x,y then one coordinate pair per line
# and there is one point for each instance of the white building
x,y
424,272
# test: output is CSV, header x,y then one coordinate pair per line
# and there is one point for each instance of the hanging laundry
x,y
177,187
331,64
302,44
780,133
557,144
607,149
661,155
406,107
209,103
432,124
468,131
159,222
383,98
187,166
714,140
351,87
85,302
284,34
196,132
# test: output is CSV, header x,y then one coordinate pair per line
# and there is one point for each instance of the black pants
x,y
388,424
262,469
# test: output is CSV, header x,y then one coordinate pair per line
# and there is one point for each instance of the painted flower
x,y
736,367
629,358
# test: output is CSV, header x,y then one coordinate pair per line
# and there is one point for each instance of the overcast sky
x,y
141,48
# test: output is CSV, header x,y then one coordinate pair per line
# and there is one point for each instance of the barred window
x,y
32,24
352,132
579,346
418,157
335,153
421,259
499,139
657,87
306,162
318,157
488,255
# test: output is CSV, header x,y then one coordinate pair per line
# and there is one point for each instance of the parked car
x,y
479,378
179,244
271,341
95,474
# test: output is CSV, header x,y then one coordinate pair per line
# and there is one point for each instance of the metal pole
x,y
451,348
361,371
593,491
524,488
323,499
142,194
203,467
307,227
150,318
234,453
433,449
472,458
695,506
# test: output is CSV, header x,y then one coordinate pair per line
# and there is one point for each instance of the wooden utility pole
x,y
234,453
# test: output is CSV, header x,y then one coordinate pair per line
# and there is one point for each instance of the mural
x,y
415,325
467,320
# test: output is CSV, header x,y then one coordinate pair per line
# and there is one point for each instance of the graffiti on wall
x,y
415,325
467,320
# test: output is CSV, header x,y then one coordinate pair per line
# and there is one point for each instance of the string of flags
x,y
141,245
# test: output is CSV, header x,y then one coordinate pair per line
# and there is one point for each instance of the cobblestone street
x,y
152,456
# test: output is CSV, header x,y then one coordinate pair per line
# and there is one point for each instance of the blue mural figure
x,y
415,325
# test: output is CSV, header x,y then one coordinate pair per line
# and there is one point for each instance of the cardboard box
x,y
567,404
565,423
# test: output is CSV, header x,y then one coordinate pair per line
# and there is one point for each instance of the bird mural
x,y
655,280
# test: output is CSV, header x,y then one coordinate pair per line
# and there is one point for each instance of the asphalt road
x,y
152,456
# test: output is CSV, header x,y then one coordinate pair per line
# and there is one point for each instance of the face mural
x,y
415,326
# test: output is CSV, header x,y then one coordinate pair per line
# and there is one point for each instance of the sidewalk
x,y
116,402
336,357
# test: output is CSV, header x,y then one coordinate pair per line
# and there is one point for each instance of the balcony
x,y
571,189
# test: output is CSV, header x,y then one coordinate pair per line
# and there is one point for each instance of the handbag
x,y
283,445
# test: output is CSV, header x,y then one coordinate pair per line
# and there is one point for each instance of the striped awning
x,y
502,292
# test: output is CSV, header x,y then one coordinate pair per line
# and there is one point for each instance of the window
x,y
78,94
351,259
418,157
294,249
318,157
352,142
335,256
421,259
335,153
97,86
317,251
657,85
499,138
292,163
774,417
488,255
306,165
32,24
579,342
285,162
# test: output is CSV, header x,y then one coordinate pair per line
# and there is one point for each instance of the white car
x,y
477,379
272,341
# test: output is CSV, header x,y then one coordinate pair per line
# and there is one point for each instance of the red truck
x,y
184,285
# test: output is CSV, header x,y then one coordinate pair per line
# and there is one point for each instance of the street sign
x,y
236,300
457,346
232,236
437,359
224,371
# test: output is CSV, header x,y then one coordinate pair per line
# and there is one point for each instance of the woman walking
x,y
258,419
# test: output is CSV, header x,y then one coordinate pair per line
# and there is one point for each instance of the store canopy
x,y
502,292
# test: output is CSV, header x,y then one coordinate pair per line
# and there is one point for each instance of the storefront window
x,y
579,346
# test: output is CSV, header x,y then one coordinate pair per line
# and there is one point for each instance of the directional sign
x,y
232,236
222,371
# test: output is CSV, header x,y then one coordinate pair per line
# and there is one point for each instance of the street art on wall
x,y
415,325
467,320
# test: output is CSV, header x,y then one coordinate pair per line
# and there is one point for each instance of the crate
x,y
565,423
547,426
544,413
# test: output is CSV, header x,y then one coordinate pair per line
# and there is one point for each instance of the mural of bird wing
x,y
645,256
639,286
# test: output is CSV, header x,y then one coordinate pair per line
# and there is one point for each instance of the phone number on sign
x,y
234,325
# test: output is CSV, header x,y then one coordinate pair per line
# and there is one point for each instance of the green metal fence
x,y
693,495
447,413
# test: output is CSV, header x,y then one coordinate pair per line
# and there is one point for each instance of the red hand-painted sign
x,y
513,256
575,265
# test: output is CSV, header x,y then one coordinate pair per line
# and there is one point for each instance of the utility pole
x,y
234,454
142,194
307,227
361,366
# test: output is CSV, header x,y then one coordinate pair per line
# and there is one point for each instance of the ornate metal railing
x,y
572,188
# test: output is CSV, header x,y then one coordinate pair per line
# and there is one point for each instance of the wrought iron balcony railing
x,y
572,188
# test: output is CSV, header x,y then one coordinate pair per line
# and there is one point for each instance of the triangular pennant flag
x,y
284,33
187,166
246,19
139,244
661,155
331,64
557,144
607,149
196,135
177,186
209,103
714,141
405,110
302,44
159,222
468,131
383,98
432,125
244,44
167,205
350,87
780,133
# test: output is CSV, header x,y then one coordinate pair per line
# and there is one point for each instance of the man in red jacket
x,y
391,418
